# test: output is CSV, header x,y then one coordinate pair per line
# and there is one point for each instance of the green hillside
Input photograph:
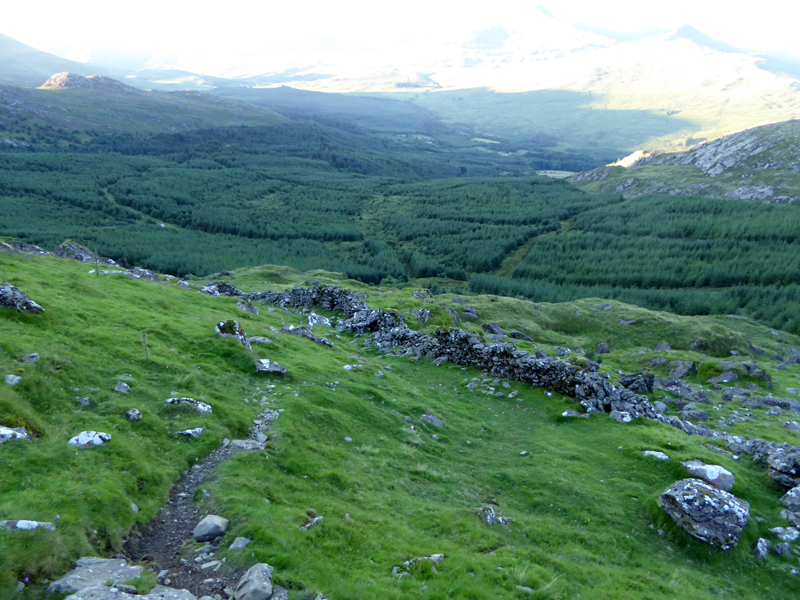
x,y
583,499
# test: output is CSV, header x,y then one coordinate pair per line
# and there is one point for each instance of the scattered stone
x,y
792,426
122,387
348,439
32,358
191,403
25,525
709,514
94,572
134,415
624,322
725,377
694,415
311,523
791,499
247,445
12,379
209,528
663,347
621,416
574,413
660,406
786,534
194,433
433,420
761,549
792,517
518,335
265,365
682,368
84,402
239,543
380,374
489,517
602,349
255,584
655,454
259,339
493,328
87,439
13,433
351,367
247,307
14,298
716,475
783,549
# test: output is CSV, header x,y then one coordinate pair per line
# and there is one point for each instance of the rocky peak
x,y
72,81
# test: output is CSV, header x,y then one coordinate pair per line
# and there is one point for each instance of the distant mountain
x,y
754,164
24,66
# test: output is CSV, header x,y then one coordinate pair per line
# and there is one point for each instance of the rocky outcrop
x,y
15,298
709,514
715,475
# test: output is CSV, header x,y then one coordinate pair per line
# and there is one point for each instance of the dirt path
x,y
162,540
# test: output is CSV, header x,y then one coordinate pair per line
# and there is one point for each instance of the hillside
x,y
754,164
360,435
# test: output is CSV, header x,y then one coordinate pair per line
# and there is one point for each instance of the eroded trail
x,y
164,540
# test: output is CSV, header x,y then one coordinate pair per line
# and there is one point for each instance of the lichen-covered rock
x,y
14,298
761,549
13,433
133,415
265,365
231,328
791,499
88,439
716,475
191,403
255,584
92,572
709,514
122,387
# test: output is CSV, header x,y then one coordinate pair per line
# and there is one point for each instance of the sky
x,y
310,29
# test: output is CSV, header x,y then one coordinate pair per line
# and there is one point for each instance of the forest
x,y
314,195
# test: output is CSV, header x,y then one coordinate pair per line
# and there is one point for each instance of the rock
x,y
655,454
191,403
786,534
725,377
231,328
423,315
119,592
31,358
311,523
663,347
247,445
265,365
433,420
209,528
783,549
621,416
122,387
792,517
518,335
259,339
641,383
94,572
195,433
792,426
315,319
24,525
351,367
12,379
247,307
570,413
134,415
87,439
709,514
255,584
493,328
761,549
14,298
694,415
791,499
625,322
716,475
13,433
239,543
602,349
682,368
459,301
660,406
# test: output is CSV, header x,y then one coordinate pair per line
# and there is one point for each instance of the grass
x,y
583,499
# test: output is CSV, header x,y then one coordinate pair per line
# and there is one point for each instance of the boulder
x,y
255,584
265,365
493,328
104,592
134,415
31,358
12,379
694,415
14,298
94,572
196,432
210,528
709,514
13,433
247,445
191,403
122,387
641,383
716,475
725,377
655,454
315,319
239,543
791,499
247,307
681,368
433,420
761,549
518,335
602,349
663,347
88,439
231,328
25,525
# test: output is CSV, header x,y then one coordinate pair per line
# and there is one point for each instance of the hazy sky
x,y
309,28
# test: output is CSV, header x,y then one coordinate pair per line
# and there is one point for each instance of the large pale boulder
x,y
256,584
13,433
209,528
87,439
709,514
716,475
94,572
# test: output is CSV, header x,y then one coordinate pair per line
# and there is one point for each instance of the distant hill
x,y
754,164
24,66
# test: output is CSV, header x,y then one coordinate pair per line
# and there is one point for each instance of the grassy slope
x,y
582,500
